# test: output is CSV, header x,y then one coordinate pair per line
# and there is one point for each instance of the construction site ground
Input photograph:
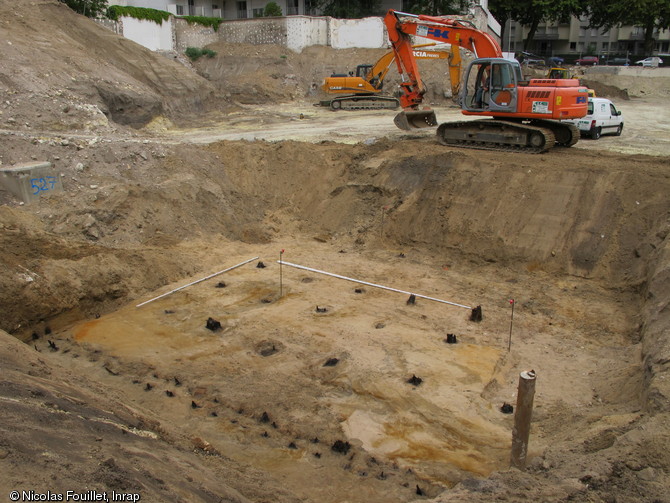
x,y
269,383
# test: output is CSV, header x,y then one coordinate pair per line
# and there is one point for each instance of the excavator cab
x,y
363,70
491,85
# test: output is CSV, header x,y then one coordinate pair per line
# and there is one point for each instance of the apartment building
x,y
576,39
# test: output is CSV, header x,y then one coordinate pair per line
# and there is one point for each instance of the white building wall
x,y
157,37
368,33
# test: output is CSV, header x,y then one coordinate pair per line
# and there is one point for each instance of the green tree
x,y
90,8
647,14
439,7
272,10
531,13
350,9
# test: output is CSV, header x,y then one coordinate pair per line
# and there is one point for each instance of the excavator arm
x,y
458,33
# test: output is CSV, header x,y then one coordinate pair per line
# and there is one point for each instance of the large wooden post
x,y
522,417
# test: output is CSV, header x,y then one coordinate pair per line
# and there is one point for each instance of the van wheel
x,y
596,132
618,130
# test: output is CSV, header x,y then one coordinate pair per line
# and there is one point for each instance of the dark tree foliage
x,y
90,8
648,14
531,13
272,9
439,7
350,9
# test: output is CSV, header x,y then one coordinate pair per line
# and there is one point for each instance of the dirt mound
x,y
88,76
605,90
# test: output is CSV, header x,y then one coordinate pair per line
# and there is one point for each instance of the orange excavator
x,y
361,91
526,114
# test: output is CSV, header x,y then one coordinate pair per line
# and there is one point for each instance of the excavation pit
x,y
541,249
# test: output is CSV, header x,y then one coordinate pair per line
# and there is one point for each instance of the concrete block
x,y
31,181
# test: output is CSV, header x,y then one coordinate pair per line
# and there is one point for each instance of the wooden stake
x,y
522,417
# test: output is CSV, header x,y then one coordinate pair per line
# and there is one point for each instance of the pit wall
x,y
656,331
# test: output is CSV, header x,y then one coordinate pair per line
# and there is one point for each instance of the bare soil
x,y
316,388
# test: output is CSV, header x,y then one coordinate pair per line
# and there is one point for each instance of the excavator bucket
x,y
415,119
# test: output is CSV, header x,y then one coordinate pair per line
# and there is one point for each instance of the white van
x,y
602,118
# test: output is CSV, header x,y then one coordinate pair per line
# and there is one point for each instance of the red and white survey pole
x,y
509,345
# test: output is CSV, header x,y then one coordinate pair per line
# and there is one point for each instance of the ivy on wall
x,y
212,22
158,16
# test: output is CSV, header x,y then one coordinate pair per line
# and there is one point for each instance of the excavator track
x,y
364,103
566,134
493,134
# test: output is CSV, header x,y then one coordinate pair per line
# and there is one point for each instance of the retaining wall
x,y
154,36
192,35
369,33
305,31
293,32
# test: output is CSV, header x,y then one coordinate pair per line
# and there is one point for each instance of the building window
x,y
241,10
258,12
292,7
573,46
310,7
180,10
606,46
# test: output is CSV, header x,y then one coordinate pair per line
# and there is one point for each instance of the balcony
x,y
547,33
